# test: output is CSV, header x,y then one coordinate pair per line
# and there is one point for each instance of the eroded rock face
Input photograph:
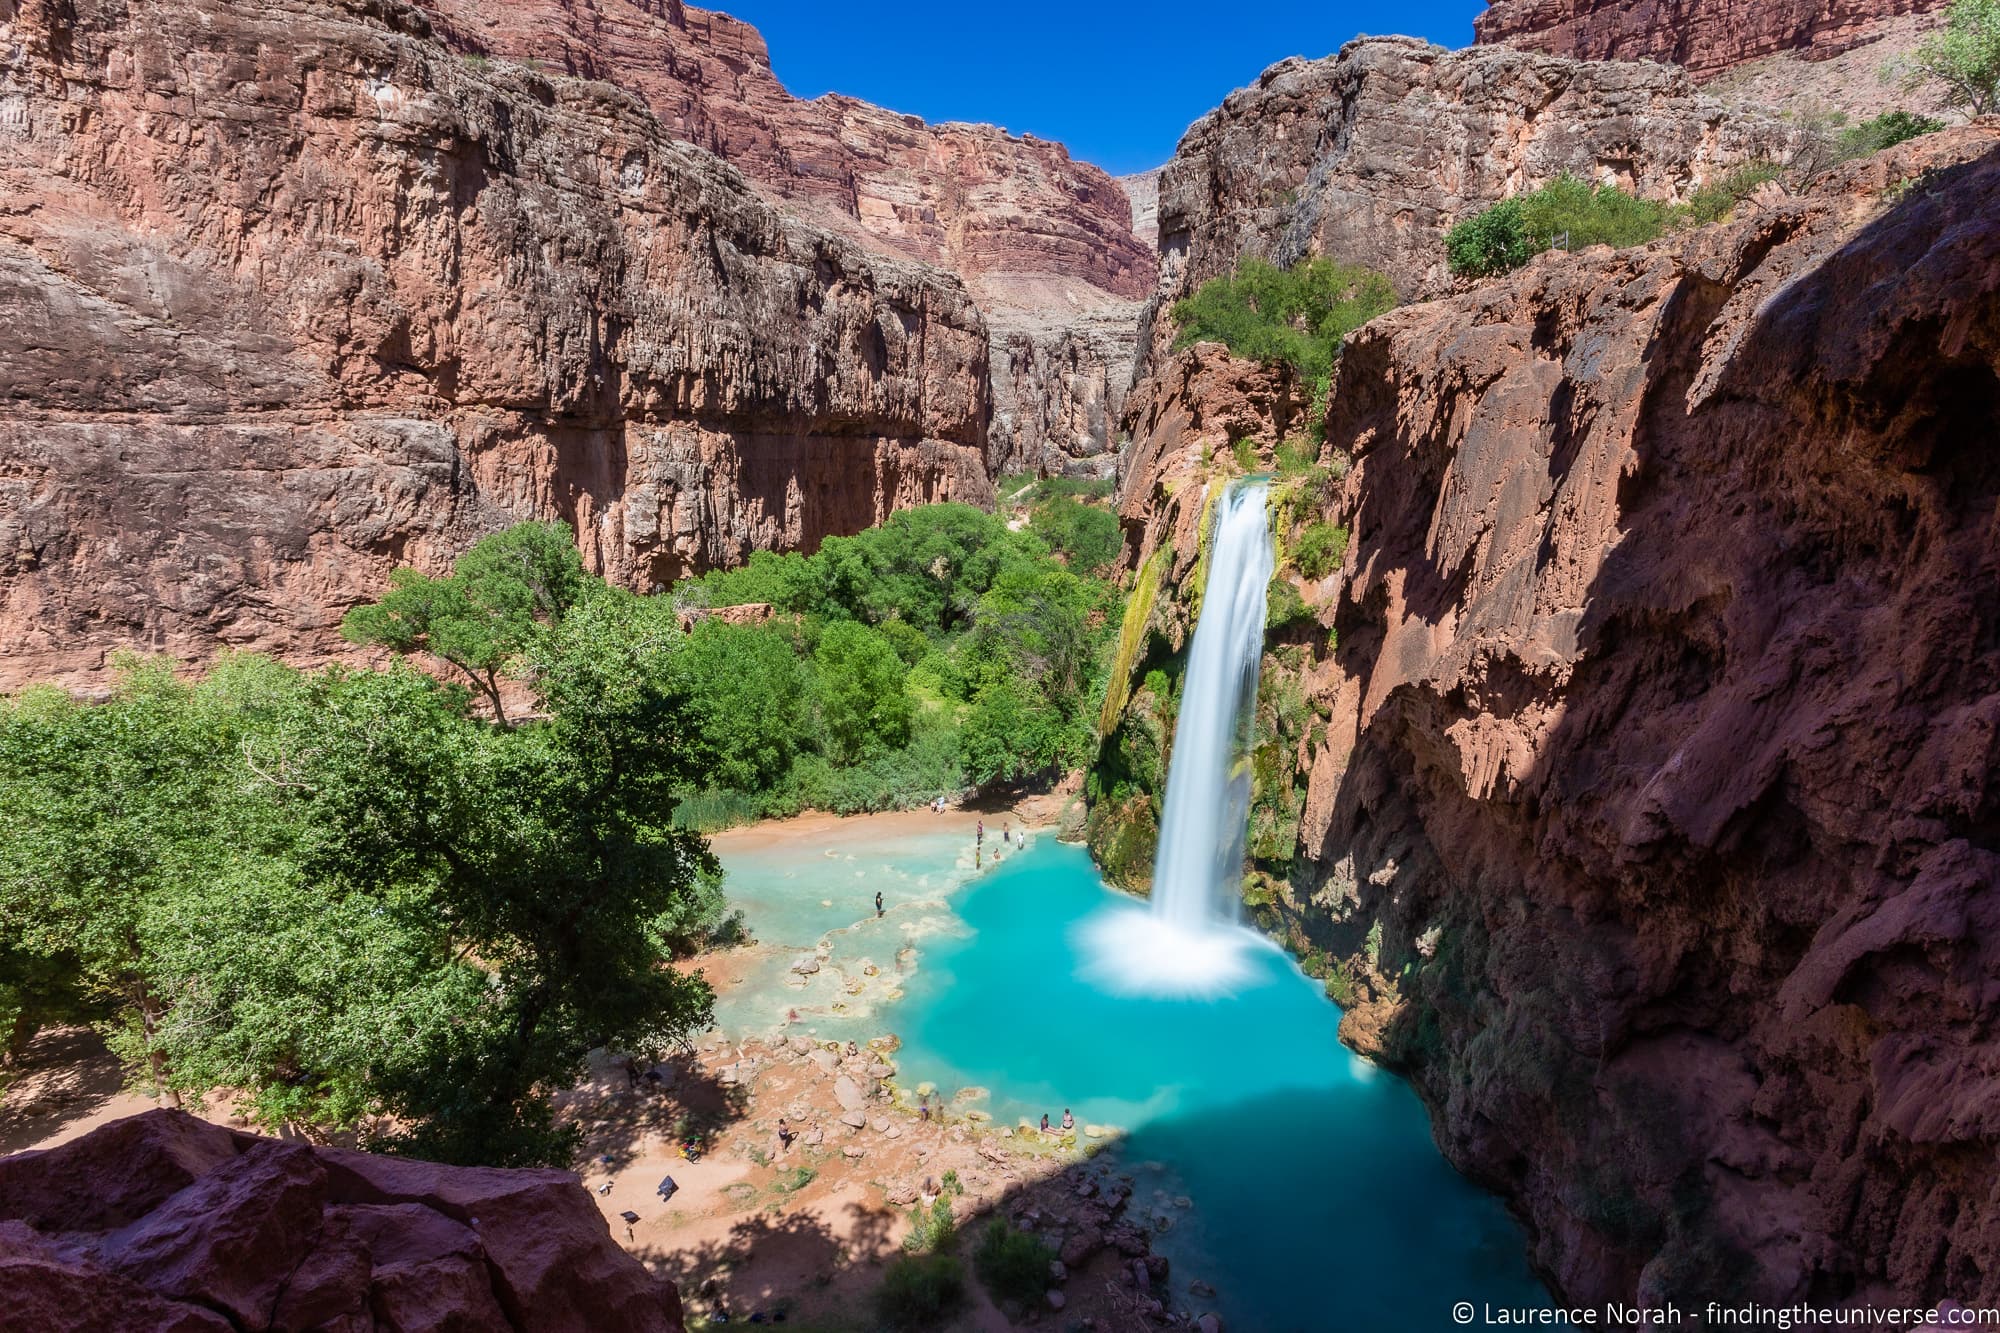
x,y
1369,156
1661,741
295,294
1705,36
166,1222
1046,244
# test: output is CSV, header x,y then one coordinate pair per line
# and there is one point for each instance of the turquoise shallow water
x,y
1319,1200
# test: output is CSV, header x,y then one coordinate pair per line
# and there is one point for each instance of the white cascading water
x,y
1189,943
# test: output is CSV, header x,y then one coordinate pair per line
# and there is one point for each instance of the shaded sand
x,y
758,1228
68,1084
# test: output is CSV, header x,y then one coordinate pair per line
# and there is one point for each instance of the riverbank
x,y
808,1228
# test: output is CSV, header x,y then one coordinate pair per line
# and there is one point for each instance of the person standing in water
x,y
878,903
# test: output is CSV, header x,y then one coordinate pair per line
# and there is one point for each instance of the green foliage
x,y
858,694
1319,549
1297,316
748,689
1963,57
1013,1264
1714,202
1494,240
1568,211
921,1292
482,617
1885,131
1283,605
347,899
932,1230
1086,535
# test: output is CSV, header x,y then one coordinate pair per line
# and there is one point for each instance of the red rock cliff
x,y
165,1224
1662,741
295,294
1046,244
1706,36
1652,801
1371,155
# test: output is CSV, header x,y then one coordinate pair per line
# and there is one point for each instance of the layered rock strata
x,y
1704,36
1045,243
295,295
165,1222
1369,156
1651,810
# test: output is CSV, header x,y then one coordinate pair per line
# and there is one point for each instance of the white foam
x,y
1130,952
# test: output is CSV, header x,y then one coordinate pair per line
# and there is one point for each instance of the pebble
x,y
854,1120
1056,1299
854,1152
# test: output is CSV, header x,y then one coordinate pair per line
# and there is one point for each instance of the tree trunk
x,y
149,1014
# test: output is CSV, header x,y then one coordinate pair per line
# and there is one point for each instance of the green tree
x,y
483,616
1963,57
858,692
111,810
748,688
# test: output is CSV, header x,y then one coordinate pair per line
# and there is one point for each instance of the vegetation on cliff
x,y
1570,213
353,902
1297,316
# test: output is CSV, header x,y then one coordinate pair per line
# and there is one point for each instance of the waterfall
x,y
1189,942
1200,857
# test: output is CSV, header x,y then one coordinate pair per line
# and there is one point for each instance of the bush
x,y
1087,536
921,1291
1297,317
1013,1264
933,1230
1885,131
1714,202
1568,210
1489,242
1319,550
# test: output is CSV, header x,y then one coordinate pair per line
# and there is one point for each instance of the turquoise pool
x,y
1319,1199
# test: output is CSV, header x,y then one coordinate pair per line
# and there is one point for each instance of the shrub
x,y
1716,201
1964,56
933,1230
1283,605
1013,1264
1885,131
1297,317
1087,536
921,1291
1319,550
1568,210
1492,241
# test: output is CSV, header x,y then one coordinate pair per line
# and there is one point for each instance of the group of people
x,y
1068,1122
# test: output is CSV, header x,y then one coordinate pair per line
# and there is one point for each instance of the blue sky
x,y
1118,82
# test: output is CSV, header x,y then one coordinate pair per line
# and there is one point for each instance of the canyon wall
x,y
162,1223
295,295
1045,244
1643,747
1369,156
1705,37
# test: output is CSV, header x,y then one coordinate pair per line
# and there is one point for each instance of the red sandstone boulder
x,y
164,1222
